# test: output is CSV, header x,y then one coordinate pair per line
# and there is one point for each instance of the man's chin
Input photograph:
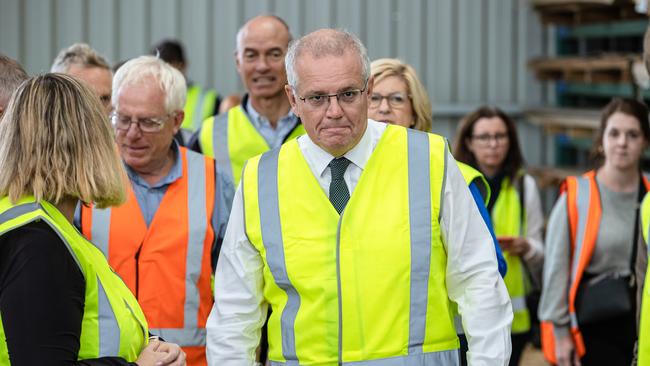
x,y
135,162
266,92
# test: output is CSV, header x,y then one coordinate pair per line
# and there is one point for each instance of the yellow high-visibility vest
x,y
231,139
369,284
644,328
509,220
113,323
199,105
472,175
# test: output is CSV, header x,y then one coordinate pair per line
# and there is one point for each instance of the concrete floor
x,y
533,357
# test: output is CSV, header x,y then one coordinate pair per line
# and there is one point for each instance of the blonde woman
x,y
60,302
398,96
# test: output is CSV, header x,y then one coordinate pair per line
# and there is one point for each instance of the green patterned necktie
x,y
339,194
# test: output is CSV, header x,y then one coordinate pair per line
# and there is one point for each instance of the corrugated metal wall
x,y
467,52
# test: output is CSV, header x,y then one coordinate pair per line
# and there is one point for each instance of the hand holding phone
x,y
505,242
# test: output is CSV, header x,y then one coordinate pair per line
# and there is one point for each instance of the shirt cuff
x,y
561,331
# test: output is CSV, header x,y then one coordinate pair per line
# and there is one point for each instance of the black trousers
x,y
610,342
519,342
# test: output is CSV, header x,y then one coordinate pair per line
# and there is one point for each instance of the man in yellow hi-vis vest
x,y
358,235
264,119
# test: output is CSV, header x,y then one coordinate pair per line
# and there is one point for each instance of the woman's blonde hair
x,y
422,113
56,143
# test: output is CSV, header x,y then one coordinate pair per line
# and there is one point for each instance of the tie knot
x,y
338,167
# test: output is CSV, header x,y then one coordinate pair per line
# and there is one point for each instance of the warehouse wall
x,y
467,52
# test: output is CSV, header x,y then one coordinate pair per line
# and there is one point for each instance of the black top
x,y
42,293
495,188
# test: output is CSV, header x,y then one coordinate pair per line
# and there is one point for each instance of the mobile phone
x,y
505,241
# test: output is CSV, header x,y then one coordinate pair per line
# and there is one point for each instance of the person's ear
x,y
292,99
237,65
178,120
370,86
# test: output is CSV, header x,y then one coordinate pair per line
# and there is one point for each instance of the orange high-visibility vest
x,y
167,266
584,211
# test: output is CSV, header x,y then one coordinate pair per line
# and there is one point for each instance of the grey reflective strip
x,y
197,118
522,216
182,337
582,198
458,324
442,358
220,142
25,208
268,201
197,221
100,228
109,329
338,285
19,210
574,320
420,228
518,303
444,180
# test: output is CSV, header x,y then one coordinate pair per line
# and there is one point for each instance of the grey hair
x,y
336,43
170,80
11,75
78,54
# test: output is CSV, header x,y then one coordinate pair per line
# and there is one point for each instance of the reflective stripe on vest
x,y
472,175
645,218
420,219
117,330
507,215
584,213
268,176
199,105
272,238
644,328
424,359
198,172
231,139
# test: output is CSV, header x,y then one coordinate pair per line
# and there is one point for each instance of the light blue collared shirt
x,y
150,196
273,136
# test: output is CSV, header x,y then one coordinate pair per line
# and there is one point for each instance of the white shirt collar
x,y
358,155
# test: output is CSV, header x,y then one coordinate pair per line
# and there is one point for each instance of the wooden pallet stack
x,y
609,68
585,11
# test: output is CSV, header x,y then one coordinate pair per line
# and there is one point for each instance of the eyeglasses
x,y
150,125
395,100
486,138
347,97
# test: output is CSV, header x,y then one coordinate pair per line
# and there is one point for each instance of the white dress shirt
x,y
472,278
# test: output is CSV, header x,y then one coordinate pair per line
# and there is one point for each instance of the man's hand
x,y
159,353
514,245
565,352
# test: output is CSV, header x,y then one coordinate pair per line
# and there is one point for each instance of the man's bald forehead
x,y
260,21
